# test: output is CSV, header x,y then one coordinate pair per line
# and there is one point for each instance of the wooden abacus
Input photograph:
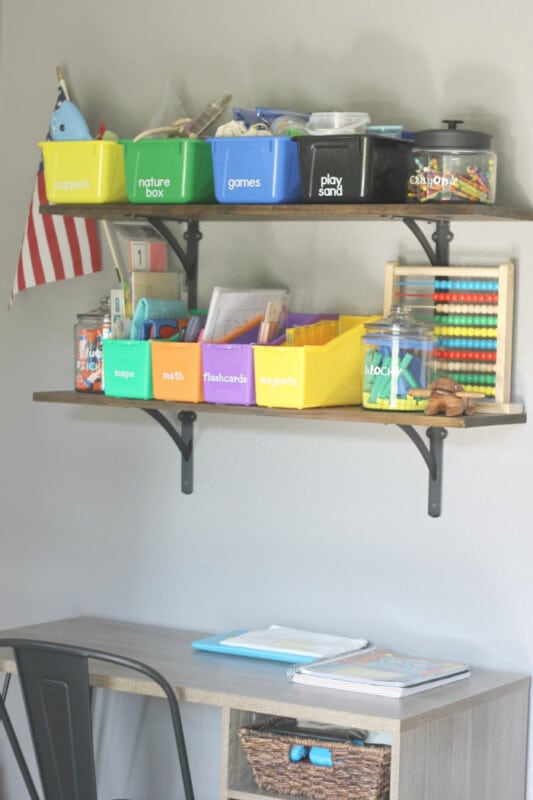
x,y
471,312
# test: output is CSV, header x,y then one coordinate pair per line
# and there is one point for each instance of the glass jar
x,y
398,357
89,331
452,165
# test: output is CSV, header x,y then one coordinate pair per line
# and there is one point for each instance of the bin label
x,y
152,186
244,183
330,186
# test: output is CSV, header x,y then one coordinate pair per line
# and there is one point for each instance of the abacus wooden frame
x,y
503,273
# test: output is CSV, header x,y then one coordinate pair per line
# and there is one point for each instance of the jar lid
x,y
400,322
452,137
95,315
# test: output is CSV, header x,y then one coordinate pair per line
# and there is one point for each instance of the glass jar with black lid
x,y
452,165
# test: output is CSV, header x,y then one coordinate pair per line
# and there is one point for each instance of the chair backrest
x,y
54,679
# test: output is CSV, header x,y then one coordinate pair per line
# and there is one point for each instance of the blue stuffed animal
x,y
68,124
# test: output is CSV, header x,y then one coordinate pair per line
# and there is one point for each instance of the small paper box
x,y
159,285
146,256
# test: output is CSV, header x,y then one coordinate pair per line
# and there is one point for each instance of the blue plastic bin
x,y
256,169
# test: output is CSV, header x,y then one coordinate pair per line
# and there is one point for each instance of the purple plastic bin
x,y
228,369
228,373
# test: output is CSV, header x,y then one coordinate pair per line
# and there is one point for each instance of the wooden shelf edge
x,y
459,212
352,414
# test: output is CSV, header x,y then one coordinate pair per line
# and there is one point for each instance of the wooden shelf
x,y
212,212
332,414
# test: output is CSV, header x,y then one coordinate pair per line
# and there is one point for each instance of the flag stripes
x,y
54,248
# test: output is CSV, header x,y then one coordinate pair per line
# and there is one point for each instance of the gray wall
x,y
299,523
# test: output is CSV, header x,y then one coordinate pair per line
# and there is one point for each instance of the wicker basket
x,y
357,772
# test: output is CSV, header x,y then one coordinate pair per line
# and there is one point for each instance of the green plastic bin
x,y
168,171
127,368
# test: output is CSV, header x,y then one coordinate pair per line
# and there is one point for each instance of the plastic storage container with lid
x,y
322,123
398,356
353,168
452,165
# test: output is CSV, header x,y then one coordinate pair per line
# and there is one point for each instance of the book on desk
x,y
379,671
279,643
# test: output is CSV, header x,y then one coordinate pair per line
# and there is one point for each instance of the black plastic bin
x,y
355,168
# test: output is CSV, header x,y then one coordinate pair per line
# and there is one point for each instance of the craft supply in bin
x,y
168,171
313,375
177,371
398,357
350,771
127,368
256,169
358,168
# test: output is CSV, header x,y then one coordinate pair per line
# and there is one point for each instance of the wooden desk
x,y
464,741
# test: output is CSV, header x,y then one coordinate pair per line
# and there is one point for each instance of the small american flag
x,y
54,247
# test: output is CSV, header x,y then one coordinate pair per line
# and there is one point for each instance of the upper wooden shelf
x,y
211,212
335,413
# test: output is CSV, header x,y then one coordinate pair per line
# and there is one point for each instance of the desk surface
x,y
249,684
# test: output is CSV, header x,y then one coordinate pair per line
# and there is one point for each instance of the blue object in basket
x,y
256,169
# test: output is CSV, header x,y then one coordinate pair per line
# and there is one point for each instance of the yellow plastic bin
x,y
84,172
312,375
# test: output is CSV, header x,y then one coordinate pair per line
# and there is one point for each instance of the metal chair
x,y
55,686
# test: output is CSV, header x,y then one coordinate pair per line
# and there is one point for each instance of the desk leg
x,y
237,777
476,753
225,757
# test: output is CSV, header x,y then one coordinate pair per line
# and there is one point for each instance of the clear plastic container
x,y
288,125
398,357
322,123
452,165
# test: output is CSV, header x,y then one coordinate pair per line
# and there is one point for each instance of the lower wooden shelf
x,y
407,422
335,413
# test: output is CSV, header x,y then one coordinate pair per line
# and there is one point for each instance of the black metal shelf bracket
x,y
188,256
433,456
183,440
439,255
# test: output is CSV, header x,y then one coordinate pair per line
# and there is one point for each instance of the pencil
x,y
241,330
